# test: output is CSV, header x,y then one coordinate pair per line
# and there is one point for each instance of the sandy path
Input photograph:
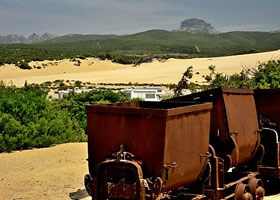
x,y
96,71
48,173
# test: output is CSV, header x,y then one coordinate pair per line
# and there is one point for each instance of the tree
x,y
267,75
185,82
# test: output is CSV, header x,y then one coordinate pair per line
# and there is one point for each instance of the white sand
x,y
97,71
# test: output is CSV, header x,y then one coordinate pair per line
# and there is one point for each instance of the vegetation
x,y
23,65
264,76
79,37
130,49
28,119
75,103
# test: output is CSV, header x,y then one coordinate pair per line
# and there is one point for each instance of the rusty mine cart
x,y
182,148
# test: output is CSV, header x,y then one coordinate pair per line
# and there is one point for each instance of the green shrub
x,y
75,103
23,65
28,119
264,76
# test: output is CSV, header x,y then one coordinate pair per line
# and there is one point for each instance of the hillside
x,y
80,37
151,42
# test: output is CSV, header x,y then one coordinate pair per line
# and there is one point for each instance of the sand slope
x,y
96,71
48,173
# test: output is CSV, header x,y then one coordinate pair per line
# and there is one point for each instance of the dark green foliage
x,y
79,37
265,76
248,52
215,79
184,83
123,59
75,103
23,65
28,119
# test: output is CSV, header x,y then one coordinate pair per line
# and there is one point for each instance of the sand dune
x,y
48,173
97,71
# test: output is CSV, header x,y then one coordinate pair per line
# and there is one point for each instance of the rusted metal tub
x,y
268,104
169,141
234,125
268,109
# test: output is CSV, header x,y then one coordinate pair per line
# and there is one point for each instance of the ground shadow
x,y
79,194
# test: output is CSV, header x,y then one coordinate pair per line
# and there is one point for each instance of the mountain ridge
x,y
33,38
192,26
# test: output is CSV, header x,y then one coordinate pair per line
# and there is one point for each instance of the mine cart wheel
x,y
88,181
257,189
242,192
157,186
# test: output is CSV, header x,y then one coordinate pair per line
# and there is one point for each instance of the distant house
x,y
147,94
61,93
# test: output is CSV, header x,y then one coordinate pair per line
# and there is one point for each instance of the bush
x,y
265,76
28,119
23,65
75,103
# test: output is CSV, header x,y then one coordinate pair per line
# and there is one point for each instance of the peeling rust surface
x,y
121,190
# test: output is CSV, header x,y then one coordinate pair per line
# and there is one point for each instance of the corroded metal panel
x,y
234,126
268,104
166,137
186,146
242,124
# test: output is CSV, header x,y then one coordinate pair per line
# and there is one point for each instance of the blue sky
x,y
25,17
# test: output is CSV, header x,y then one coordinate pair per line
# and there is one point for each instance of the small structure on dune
x,y
147,94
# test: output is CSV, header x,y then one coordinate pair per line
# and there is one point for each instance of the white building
x,y
147,94
61,93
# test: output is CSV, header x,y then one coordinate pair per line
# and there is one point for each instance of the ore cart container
x,y
169,143
268,108
268,104
234,125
